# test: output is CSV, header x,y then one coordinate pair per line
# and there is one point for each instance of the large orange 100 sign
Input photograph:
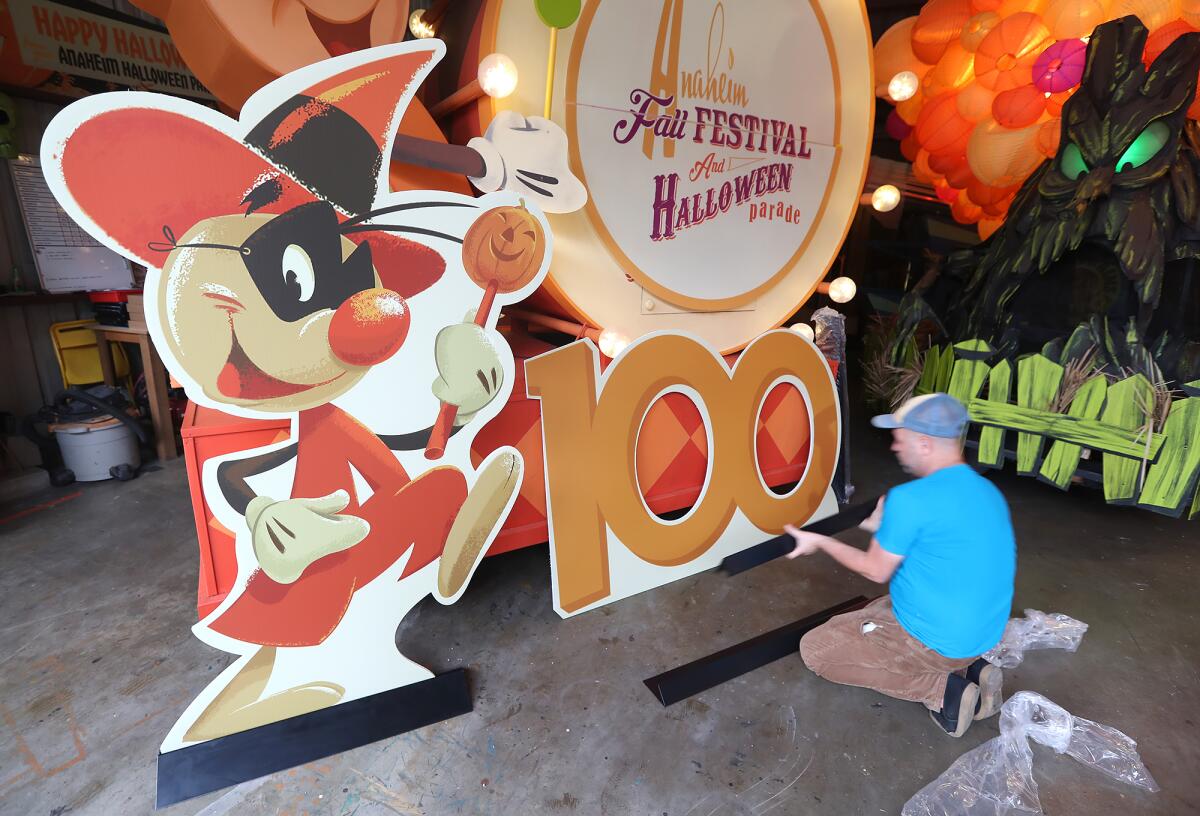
x,y
605,542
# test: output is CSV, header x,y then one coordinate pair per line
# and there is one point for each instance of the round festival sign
x,y
723,145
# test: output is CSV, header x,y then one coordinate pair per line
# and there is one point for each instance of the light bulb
x,y
804,330
903,86
885,198
417,25
842,290
612,343
497,75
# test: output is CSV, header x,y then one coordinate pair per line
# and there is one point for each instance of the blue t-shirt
x,y
953,590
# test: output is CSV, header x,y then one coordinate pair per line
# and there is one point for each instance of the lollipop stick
x,y
550,71
446,414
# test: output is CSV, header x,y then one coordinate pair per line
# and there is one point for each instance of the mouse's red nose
x,y
369,327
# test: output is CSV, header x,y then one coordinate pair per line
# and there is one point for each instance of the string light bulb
x,y
804,330
885,198
612,343
497,75
417,25
842,290
903,86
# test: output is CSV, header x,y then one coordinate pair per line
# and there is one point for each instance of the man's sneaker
x,y
990,680
958,706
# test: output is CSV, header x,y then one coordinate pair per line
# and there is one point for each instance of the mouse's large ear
x,y
124,166
406,267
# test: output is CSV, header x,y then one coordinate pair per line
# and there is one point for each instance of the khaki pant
x,y
884,657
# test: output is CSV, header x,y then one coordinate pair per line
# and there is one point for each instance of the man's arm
x,y
875,564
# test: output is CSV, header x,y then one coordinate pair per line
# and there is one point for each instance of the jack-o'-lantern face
x,y
237,46
505,245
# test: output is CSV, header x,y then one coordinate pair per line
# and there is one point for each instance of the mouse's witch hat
x,y
131,166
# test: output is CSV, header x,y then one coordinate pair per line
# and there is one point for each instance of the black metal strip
x,y
700,675
782,545
219,763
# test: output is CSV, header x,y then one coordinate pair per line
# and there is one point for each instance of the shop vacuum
x,y
79,442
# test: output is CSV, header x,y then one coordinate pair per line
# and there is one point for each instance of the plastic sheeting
x,y
1036,630
997,777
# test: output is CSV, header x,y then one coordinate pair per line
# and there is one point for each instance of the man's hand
x,y
806,543
528,155
290,535
871,523
469,368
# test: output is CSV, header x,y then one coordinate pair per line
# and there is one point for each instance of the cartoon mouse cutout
x,y
285,280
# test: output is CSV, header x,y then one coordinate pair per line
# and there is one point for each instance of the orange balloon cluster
x,y
981,120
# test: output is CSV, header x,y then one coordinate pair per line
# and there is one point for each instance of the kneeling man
x,y
945,543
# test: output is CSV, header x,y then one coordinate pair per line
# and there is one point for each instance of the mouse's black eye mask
x,y
295,261
295,258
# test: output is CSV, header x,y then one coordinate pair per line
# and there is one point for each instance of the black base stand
x,y
230,760
700,675
780,546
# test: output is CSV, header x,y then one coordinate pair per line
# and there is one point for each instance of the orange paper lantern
x,y
1055,102
999,209
1157,42
893,54
1193,111
1070,19
910,109
944,191
1018,107
921,169
945,163
977,28
955,69
1007,8
987,227
1189,10
1000,156
1005,58
964,211
960,175
939,23
940,128
1153,13
974,102
1048,137
985,195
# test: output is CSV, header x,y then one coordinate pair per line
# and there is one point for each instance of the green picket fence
x,y
1156,471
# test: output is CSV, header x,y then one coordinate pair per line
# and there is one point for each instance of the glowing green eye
x,y
1072,165
1144,147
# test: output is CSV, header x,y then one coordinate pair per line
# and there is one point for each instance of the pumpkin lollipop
x,y
502,252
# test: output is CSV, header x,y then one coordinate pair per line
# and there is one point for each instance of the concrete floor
x,y
97,593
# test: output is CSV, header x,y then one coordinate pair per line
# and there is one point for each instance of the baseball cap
x,y
931,414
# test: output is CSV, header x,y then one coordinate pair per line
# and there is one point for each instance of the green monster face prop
x,y
8,127
1124,184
